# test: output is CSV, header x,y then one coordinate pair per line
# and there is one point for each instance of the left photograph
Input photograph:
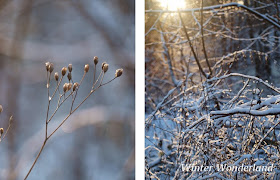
x,y
67,90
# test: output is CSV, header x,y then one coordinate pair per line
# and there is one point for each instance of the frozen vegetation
x,y
213,91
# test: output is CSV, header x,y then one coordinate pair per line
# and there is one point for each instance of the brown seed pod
x,y
70,67
48,66
69,76
118,72
69,86
95,60
1,109
51,67
63,71
102,65
56,76
65,87
1,131
75,86
105,67
86,68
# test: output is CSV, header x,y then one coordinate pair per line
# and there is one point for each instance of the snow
x,y
184,131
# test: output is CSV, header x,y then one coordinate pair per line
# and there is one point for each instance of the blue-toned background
x,y
97,142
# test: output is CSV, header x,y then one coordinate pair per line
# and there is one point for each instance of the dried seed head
x,y
63,71
95,60
75,86
56,76
69,86
48,66
105,67
65,87
102,65
69,76
86,68
1,109
118,72
1,131
51,67
70,67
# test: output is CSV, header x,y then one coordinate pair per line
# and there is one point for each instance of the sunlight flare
x,y
173,5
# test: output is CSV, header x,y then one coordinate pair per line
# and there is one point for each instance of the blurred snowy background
x,y
97,142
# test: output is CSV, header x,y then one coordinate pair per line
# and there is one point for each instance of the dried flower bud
x,y
69,86
75,86
105,67
56,76
51,67
1,109
48,66
69,76
63,71
102,65
1,131
86,68
95,60
65,87
118,72
70,67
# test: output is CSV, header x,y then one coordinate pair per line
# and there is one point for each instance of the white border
x,y
139,90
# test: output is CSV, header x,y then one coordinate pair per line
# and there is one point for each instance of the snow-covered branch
x,y
221,6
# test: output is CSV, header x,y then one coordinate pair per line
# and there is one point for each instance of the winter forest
x,y
212,91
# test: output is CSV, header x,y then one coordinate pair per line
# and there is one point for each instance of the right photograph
x,y
212,89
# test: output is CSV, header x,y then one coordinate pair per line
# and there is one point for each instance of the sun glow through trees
x,y
173,5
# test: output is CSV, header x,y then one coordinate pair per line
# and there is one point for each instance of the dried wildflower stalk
x,y
70,90
3,133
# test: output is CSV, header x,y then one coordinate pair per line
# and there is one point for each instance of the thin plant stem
x,y
9,126
101,80
59,106
109,81
37,157
73,99
49,102
57,87
94,72
97,79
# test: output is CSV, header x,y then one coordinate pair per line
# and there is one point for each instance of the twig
x,y
191,46
9,126
202,39
245,76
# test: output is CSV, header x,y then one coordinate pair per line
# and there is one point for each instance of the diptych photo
x,y
154,89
